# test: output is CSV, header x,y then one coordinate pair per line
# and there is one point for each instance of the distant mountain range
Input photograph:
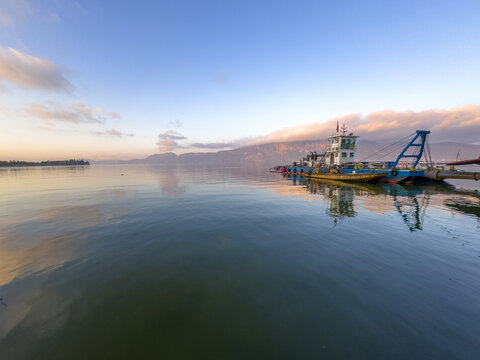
x,y
277,153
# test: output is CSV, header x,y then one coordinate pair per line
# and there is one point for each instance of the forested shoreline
x,y
15,163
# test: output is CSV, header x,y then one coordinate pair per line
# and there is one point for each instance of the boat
x,y
407,167
364,178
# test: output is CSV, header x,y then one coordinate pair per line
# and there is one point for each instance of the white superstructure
x,y
342,148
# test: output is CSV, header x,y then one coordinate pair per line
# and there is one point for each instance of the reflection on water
x,y
466,206
410,201
170,182
133,261
340,198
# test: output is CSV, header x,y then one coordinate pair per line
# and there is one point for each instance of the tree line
x,y
15,163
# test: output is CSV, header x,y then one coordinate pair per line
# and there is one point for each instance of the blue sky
x,y
226,71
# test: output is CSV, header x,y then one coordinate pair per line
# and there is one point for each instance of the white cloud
x,y
32,72
74,112
171,135
168,140
167,145
111,133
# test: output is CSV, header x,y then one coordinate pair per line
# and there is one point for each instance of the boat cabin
x,y
342,149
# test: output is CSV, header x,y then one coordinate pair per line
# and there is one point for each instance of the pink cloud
x,y
112,132
74,112
167,141
461,124
32,72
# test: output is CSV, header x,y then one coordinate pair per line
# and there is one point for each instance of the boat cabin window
x,y
348,144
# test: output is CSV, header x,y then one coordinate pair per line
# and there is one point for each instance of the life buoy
x,y
394,172
360,165
317,171
405,165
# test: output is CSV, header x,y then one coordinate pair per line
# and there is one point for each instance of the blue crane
x,y
418,142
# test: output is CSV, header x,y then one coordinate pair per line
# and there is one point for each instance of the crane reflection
x,y
409,201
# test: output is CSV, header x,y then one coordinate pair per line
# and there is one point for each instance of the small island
x,y
15,163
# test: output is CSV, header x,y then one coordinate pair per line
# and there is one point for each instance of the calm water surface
x,y
234,263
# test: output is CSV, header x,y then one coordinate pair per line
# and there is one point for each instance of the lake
x,y
144,262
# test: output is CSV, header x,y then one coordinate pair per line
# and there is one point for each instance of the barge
x,y
339,162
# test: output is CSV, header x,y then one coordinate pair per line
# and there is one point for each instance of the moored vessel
x,y
339,162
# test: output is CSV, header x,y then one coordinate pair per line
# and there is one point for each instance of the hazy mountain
x,y
277,153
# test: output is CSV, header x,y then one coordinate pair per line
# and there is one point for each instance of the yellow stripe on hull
x,y
348,177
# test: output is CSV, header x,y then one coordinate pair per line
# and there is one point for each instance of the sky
x,y
126,79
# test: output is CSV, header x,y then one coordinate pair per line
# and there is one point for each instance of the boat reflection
x,y
340,198
409,201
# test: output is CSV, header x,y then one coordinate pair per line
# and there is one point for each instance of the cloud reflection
x,y
171,183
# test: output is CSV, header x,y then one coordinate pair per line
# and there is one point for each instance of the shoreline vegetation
x,y
71,162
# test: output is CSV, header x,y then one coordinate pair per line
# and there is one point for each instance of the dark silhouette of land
x,y
15,163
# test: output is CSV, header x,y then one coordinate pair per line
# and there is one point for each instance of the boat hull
x,y
347,177
401,175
